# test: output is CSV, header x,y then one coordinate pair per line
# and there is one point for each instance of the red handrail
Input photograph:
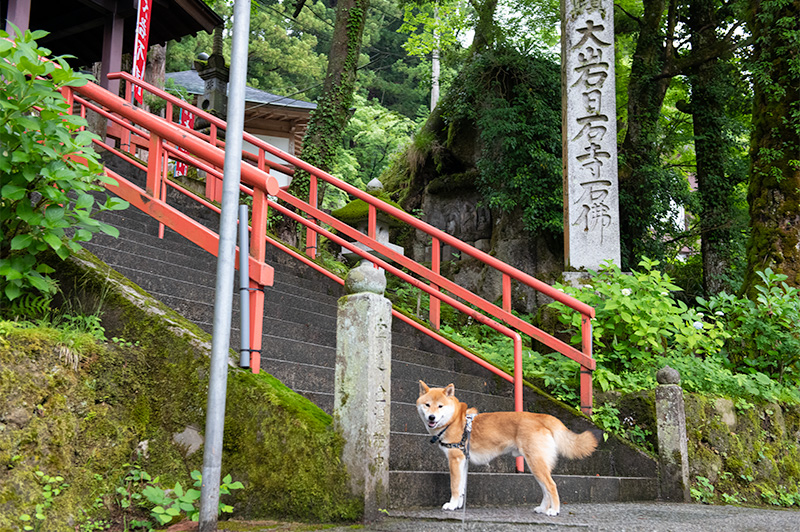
x,y
162,137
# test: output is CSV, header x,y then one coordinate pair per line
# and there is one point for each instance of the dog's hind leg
x,y
551,504
541,462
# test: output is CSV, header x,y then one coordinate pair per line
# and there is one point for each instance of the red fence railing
x,y
162,139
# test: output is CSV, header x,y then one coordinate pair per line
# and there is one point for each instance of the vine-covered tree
x,y
648,188
716,95
774,188
324,135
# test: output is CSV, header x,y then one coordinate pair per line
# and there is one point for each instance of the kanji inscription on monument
x,y
591,194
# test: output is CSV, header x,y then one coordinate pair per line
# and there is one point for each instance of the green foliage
x,y
432,26
52,487
780,497
514,102
373,137
640,327
763,335
531,26
48,167
169,505
703,490
637,320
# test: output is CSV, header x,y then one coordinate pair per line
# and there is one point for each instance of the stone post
x,y
673,458
216,75
589,134
362,385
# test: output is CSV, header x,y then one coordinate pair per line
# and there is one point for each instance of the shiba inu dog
x,y
540,438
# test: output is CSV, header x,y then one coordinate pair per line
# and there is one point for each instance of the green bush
x,y
638,320
727,346
763,334
45,189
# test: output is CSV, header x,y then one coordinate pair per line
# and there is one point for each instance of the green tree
x,y
286,53
371,140
648,187
47,166
716,107
774,181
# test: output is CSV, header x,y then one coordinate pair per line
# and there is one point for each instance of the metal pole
x,y
223,302
244,289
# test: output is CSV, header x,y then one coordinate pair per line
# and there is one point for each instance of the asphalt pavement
x,y
611,517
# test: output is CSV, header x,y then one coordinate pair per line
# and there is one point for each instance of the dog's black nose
x,y
432,417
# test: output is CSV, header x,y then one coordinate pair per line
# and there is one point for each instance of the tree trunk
x,y
155,72
774,188
485,28
324,135
711,89
639,154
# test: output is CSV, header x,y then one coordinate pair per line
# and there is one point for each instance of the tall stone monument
x,y
589,133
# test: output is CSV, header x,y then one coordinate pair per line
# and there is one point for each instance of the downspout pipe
x,y
244,288
223,302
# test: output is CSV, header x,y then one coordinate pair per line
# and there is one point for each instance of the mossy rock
x,y
126,402
358,210
748,462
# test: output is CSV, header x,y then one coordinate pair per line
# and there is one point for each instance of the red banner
x,y
140,46
187,120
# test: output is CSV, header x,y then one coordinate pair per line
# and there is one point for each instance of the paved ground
x,y
617,517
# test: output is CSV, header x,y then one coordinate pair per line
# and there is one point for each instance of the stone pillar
x,y
589,134
362,385
673,457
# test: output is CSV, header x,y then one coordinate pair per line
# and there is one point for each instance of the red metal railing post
x,y
586,373
163,198
434,305
518,388
69,96
213,184
506,293
372,221
155,155
125,143
311,235
258,250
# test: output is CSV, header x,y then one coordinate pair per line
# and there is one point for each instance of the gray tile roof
x,y
192,82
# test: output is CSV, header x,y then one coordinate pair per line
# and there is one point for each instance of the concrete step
x,y
425,489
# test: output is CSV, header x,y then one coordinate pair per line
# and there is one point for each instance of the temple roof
x,y
76,26
194,84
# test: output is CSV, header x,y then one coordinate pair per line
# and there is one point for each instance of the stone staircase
x,y
299,343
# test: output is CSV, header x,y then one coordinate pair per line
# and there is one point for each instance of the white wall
x,y
280,143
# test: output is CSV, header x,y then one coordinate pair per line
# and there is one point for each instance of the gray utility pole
x,y
223,302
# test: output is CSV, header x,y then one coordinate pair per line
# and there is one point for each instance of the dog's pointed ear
x,y
423,388
450,390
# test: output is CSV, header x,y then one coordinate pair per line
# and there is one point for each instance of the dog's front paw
x,y
453,504
549,511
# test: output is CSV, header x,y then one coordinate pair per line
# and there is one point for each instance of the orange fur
x,y
540,438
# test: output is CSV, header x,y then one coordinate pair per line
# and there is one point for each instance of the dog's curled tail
x,y
573,445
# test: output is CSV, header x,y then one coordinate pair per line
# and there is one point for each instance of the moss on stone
x,y
84,424
759,454
358,210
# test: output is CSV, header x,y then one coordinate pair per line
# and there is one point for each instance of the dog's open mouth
x,y
432,424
